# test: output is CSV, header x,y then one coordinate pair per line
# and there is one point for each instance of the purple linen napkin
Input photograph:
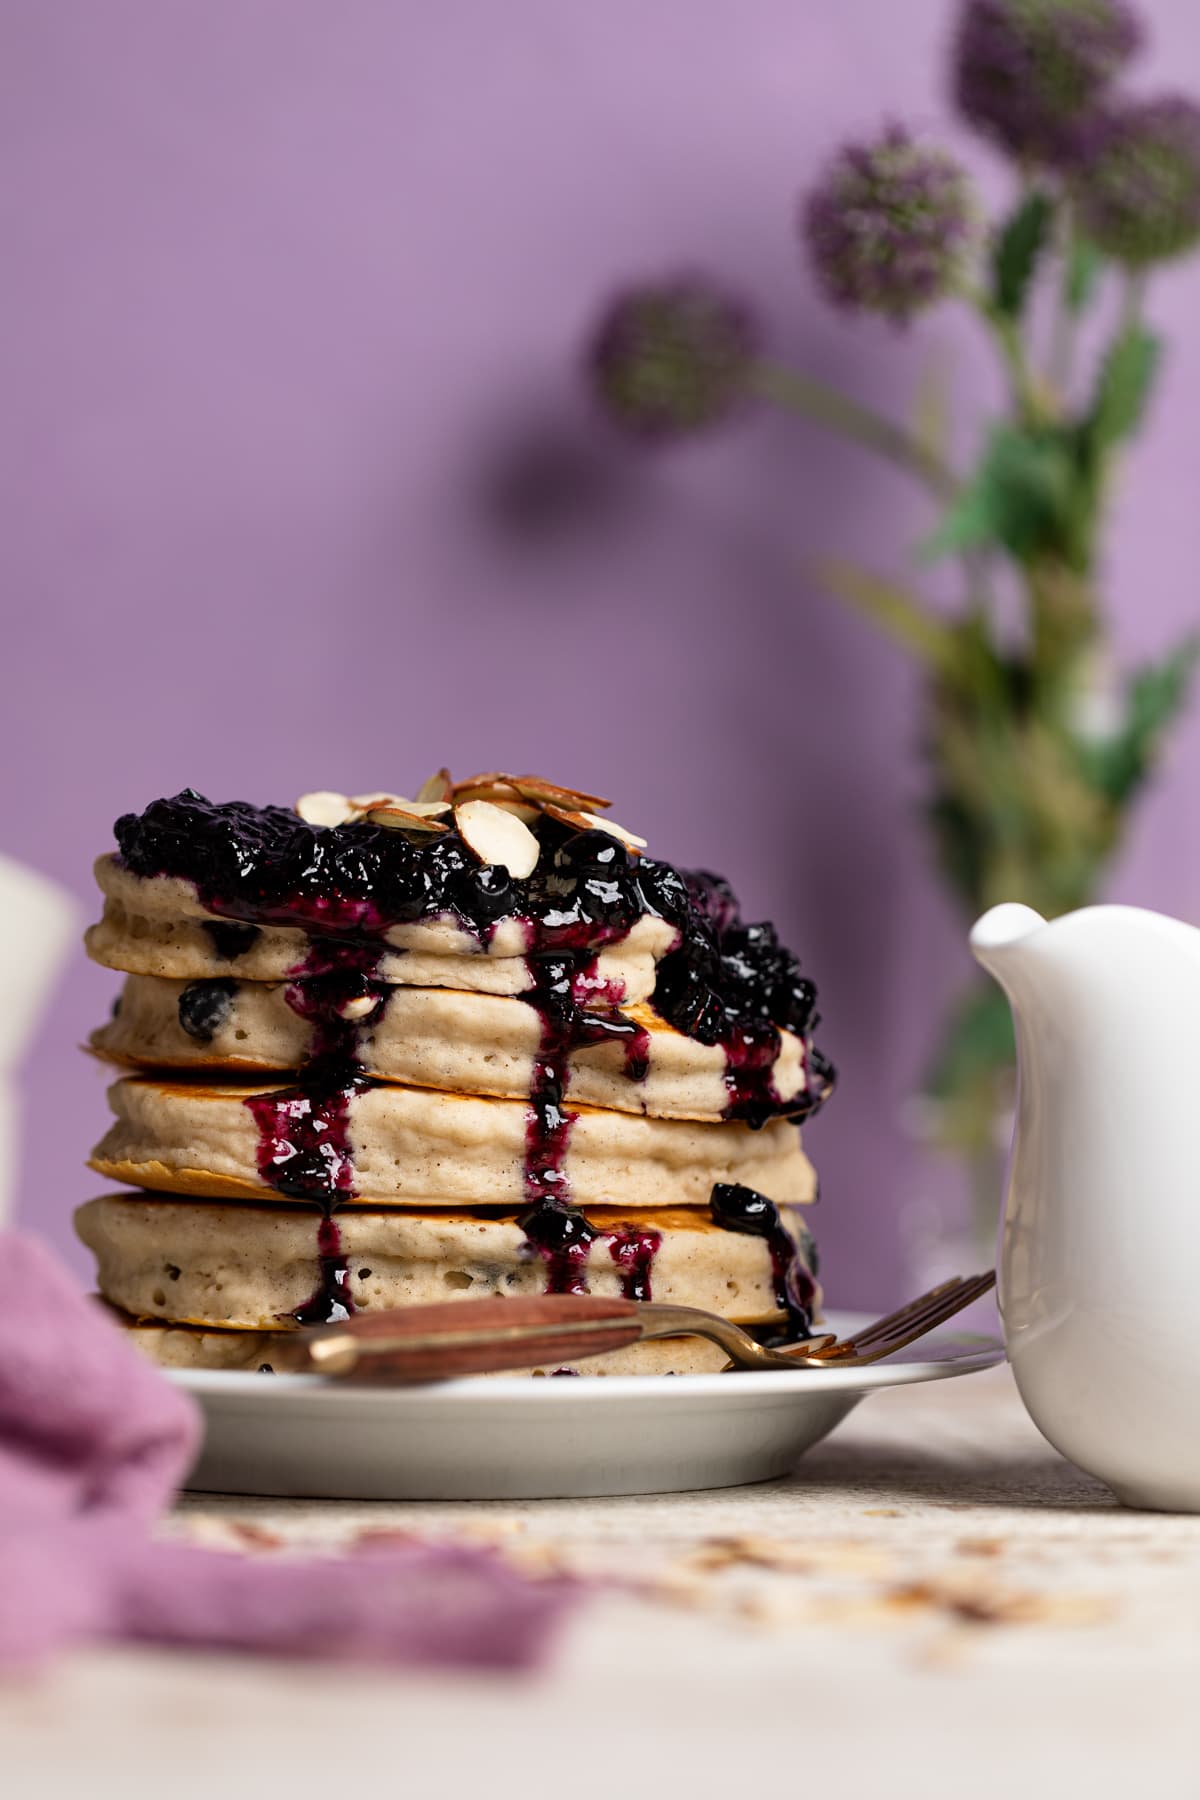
x,y
94,1442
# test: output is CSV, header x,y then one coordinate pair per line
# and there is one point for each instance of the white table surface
x,y
934,1604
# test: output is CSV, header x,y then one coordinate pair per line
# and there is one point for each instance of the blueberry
x,y
230,940
204,1006
484,894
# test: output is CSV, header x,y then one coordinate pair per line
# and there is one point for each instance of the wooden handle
x,y
474,1337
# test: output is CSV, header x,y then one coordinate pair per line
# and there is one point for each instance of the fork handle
x,y
472,1337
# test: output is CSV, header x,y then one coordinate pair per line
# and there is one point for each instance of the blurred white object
x,y
1100,1257
39,923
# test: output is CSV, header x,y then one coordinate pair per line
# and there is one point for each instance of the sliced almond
x,y
491,778
360,1007
364,802
579,820
544,793
500,793
498,837
569,815
414,815
438,787
630,839
324,808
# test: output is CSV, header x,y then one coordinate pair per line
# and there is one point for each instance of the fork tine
x,y
940,1305
923,1303
923,1313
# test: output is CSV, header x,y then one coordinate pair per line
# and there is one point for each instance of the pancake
x,y
156,925
426,1037
216,1264
402,1146
193,1347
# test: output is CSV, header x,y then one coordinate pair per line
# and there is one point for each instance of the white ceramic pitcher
x,y
1100,1252
39,921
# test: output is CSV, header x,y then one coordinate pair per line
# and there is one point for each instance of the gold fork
x,y
477,1337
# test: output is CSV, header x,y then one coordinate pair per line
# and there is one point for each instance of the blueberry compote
x,y
737,1208
725,983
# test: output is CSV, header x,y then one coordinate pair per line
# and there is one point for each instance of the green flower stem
x,y
1133,299
815,400
1061,364
1028,399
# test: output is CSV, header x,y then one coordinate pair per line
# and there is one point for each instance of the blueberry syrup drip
x,y
634,1252
339,956
304,1152
563,1238
561,1235
337,1007
726,982
741,1209
303,1137
548,1122
330,1301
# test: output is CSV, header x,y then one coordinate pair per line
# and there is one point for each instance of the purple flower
x,y
672,358
1027,72
1138,180
888,225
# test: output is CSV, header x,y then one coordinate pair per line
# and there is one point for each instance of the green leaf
x,y
978,1041
1123,387
1020,496
1082,275
1016,252
892,608
1154,698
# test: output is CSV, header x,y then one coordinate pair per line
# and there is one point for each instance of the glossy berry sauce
x,y
337,1007
304,1152
558,1233
330,1301
634,1251
741,1209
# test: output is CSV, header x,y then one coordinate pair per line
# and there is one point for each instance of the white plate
x,y
520,1438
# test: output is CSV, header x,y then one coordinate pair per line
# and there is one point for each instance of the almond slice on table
x,y
497,836
550,793
579,820
324,808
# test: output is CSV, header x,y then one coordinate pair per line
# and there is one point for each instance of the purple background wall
x,y
293,292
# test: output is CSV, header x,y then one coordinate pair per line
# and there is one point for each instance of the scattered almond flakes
x,y
256,1537
981,1604
824,1556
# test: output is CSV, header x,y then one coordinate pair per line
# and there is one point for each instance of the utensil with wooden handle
x,y
481,1337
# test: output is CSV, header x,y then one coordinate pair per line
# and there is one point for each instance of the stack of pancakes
x,y
388,1052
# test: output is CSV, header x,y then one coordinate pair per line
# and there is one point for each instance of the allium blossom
x,y
672,358
1138,186
1027,73
888,225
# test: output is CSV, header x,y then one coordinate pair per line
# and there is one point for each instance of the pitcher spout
x,y
998,938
